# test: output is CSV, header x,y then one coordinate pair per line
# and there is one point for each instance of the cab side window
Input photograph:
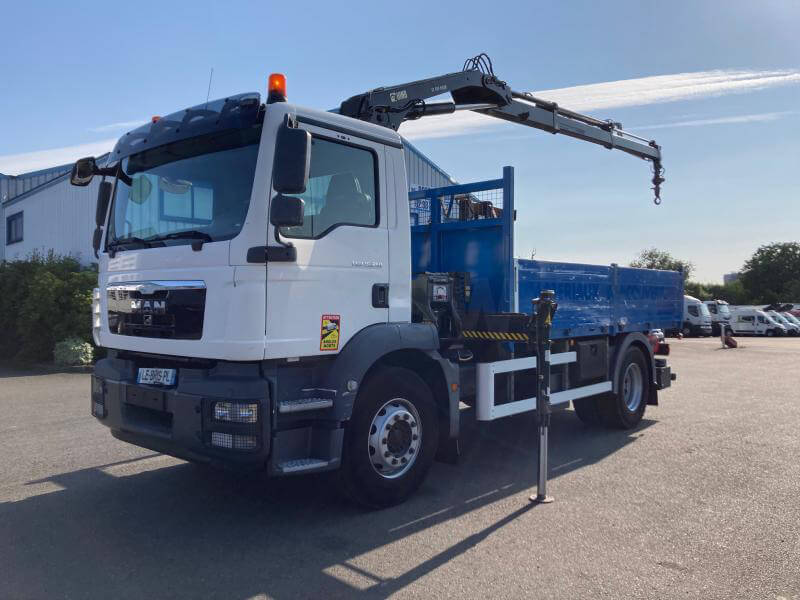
x,y
341,190
712,308
693,311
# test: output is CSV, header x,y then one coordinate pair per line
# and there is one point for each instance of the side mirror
x,y
286,211
83,171
103,199
292,160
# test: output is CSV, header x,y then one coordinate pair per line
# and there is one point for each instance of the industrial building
x,y
42,211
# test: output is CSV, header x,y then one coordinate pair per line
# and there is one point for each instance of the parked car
x,y
749,320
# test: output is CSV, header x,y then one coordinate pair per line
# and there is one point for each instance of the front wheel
x,y
391,439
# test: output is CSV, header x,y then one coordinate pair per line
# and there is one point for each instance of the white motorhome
x,y
749,320
696,317
720,314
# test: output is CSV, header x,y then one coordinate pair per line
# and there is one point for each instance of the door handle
x,y
380,295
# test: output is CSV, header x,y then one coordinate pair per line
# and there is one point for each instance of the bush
x,y
73,351
44,299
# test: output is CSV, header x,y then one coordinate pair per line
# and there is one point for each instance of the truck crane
x,y
273,296
476,88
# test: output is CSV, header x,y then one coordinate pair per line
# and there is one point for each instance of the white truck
x,y
720,314
750,320
696,318
272,296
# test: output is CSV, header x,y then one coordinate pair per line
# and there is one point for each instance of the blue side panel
x,y
442,242
603,300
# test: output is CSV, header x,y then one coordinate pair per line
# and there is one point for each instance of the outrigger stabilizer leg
x,y
544,307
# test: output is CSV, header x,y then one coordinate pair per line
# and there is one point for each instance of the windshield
x,y
197,188
724,310
791,318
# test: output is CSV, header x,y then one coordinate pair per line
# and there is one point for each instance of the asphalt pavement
x,y
701,500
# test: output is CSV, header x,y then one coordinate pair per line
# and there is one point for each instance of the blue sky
x,y
731,140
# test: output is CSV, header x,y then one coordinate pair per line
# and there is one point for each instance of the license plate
x,y
152,376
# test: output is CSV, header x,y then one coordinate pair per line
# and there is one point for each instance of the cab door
x,y
338,284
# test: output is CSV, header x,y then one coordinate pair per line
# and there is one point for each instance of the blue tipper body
x,y
603,300
592,299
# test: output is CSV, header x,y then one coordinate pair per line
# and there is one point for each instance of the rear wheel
x,y
587,409
770,333
625,409
391,439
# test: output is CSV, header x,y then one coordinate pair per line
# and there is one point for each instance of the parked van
x,y
791,318
791,328
720,314
696,318
749,320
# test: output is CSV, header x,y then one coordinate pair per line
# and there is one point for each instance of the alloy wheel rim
x,y
395,437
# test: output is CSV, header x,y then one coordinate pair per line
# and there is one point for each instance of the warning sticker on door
x,y
329,332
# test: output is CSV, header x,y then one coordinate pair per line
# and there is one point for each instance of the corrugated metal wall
x,y
422,172
59,217
12,186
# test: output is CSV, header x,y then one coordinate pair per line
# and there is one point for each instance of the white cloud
x,y
120,125
590,97
754,118
615,94
14,164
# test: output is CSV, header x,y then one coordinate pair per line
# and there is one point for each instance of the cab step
x,y
304,404
302,465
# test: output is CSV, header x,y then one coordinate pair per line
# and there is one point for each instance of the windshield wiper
x,y
114,245
128,240
200,236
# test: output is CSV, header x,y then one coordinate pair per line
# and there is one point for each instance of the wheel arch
x,y
414,346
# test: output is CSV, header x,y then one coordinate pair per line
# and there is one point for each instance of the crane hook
x,y
658,179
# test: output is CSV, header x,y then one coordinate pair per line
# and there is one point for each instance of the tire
x,y
396,400
770,333
587,409
625,409
687,331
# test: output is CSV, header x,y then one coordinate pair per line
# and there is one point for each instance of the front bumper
x,y
179,420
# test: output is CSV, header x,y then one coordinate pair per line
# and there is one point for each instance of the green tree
x,y
772,274
653,258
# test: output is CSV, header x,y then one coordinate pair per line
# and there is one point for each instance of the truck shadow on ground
x,y
187,531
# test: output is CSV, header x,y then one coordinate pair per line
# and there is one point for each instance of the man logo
x,y
158,307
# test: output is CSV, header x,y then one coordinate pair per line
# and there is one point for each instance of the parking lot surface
x,y
701,500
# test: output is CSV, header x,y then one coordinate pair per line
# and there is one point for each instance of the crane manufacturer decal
x,y
329,332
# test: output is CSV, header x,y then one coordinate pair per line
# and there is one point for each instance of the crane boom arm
x,y
477,89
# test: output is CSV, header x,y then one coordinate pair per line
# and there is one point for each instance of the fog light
x,y
234,412
233,441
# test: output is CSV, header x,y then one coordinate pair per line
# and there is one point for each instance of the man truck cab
x,y
696,317
720,314
748,320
